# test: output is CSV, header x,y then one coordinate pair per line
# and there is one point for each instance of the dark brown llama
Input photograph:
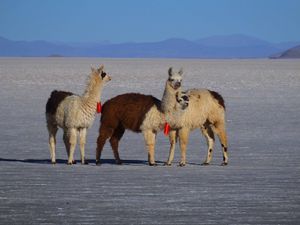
x,y
135,112
132,111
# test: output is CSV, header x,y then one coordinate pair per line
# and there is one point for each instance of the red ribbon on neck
x,y
166,129
99,107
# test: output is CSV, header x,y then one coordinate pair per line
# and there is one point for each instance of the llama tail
x,y
218,97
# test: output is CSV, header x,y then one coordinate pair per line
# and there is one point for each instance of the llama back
x,y
129,109
218,97
63,108
55,99
203,104
206,97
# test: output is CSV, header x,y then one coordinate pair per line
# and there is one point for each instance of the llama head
x,y
100,75
175,78
182,99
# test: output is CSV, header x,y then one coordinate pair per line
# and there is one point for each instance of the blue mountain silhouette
x,y
231,46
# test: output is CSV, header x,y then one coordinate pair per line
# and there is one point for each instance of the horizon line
x,y
154,41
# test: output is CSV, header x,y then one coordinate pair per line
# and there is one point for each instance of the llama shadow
x,y
92,162
124,162
206,166
34,161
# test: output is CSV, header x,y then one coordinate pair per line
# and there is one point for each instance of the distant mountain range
x,y
292,53
231,46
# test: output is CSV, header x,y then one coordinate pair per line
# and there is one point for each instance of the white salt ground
x,y
259,186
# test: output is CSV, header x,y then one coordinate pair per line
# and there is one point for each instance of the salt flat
x,y
259,186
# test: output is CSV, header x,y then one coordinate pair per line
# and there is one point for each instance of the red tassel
x,y
99,107
166,129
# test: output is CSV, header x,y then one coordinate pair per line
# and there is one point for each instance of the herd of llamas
x,y
177,113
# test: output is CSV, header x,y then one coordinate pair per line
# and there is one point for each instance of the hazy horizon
x,y
167,38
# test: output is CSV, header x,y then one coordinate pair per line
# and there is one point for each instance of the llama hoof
x,y
53,163
70,163
98,163
167,164
119,162
205,164
181,164
152,164
84,161
224,164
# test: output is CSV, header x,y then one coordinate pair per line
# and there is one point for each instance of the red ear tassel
x,y
166,129
99,107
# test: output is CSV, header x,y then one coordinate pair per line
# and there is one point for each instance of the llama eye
x,y
103,75
171,80
185,98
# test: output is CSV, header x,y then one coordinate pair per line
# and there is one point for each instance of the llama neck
x,y
92,94
168,101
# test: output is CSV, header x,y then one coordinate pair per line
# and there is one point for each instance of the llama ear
x,y
93,69
180,71
101,68
170,71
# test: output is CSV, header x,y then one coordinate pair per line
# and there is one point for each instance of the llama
x,y
135,112
74,114
206,111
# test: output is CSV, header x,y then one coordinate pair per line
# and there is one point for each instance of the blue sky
x,y
148,20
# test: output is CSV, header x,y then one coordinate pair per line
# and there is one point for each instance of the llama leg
x,y
104,134
149,137
82,137
114,142
210,138
72,134
66,141
221,132
183,141
173,140
52,141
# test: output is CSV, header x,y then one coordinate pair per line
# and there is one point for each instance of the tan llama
x,y
206,110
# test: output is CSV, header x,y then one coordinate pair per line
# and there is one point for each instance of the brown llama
x,y
135,112
74,114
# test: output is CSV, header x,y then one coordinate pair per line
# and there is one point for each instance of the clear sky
x,y
148,20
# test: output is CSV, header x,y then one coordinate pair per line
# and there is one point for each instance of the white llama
x,y
206,110
74,114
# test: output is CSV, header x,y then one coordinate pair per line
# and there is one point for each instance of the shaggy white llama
x,y
206,111
74,114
